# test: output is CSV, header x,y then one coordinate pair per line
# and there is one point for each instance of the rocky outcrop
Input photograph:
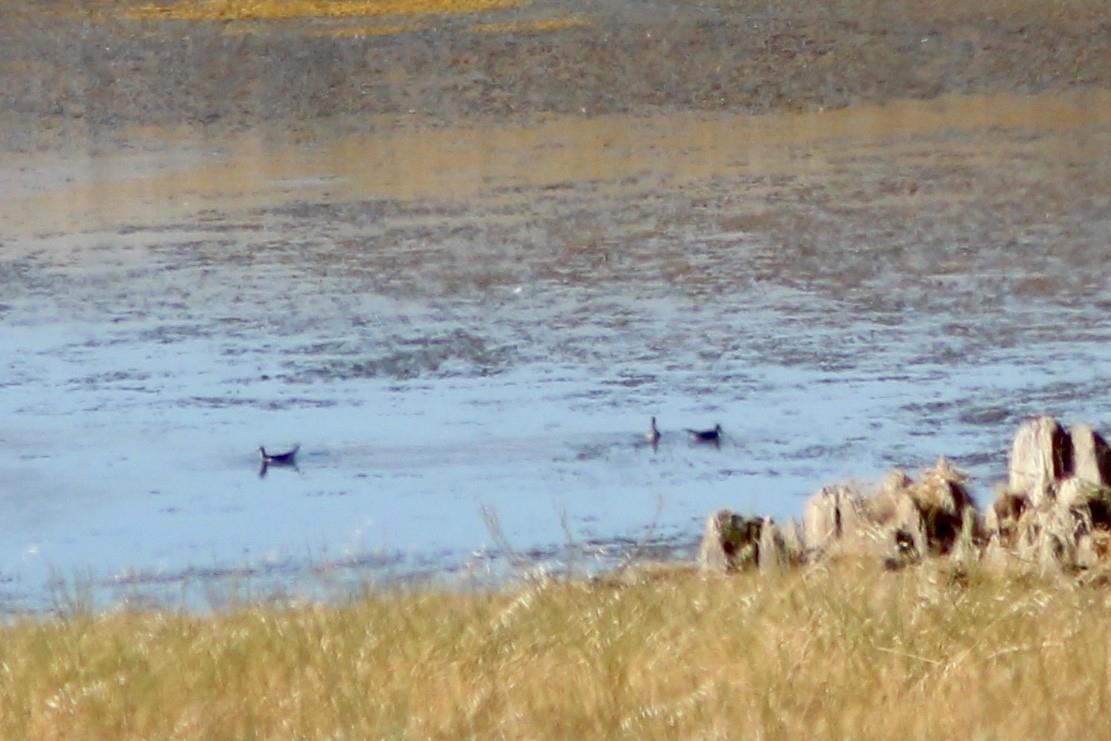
x,y
829,515
1091,457
1054,511
732,542
1040,455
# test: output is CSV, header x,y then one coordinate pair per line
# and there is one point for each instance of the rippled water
x,y
462,326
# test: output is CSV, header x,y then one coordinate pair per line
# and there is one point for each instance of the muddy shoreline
x,y
77,75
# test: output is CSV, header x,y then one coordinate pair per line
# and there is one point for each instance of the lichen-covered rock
x,y
946,507
925,517
730,542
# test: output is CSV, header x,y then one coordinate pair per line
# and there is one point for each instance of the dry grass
x,y
845,651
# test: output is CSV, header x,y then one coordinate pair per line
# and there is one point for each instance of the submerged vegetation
x,y
842,649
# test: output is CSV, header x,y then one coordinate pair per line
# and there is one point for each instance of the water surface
x,y
464,325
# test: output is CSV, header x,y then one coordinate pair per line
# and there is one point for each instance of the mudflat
x,y
75,72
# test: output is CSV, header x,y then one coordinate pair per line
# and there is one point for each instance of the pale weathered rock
x,y
1091,459
772,554
903,521
893,516
1049,538
793,542
1087,500
896,481
1073,492
829,515
1041,454
887,504
711,552
1055,513
730,542
780,548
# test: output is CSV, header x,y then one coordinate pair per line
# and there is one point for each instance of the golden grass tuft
x,y
841,650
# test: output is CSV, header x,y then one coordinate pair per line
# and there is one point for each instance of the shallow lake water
x,y
467,330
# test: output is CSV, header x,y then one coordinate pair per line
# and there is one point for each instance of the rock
x,y
830,514
730,542
945,506
927,517
895,523
1053,538
1073,492
1086,500
903,521
886,504
772,550
1055,513
1040,455
780,548
792,541
1091,459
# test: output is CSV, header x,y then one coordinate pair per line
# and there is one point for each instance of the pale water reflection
x,y
459,322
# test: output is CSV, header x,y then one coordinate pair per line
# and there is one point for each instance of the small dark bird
x,y
706,436
653,433
287,459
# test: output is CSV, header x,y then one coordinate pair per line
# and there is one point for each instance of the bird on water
x,y
706,436
653,433
287,459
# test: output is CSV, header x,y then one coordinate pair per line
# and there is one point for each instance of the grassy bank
x,y
845,651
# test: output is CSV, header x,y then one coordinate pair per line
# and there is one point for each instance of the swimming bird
x,y
653,433
288,459
706,436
